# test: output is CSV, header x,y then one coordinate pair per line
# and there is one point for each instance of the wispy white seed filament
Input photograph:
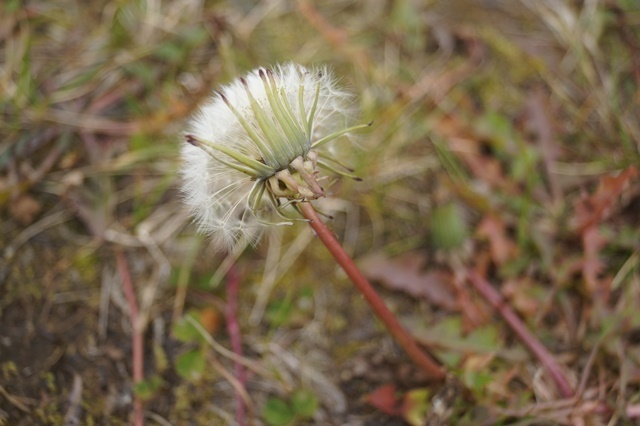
x,y
254,147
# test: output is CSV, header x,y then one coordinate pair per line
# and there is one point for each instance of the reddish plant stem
x,y
233,328
497,301
398,332
138,346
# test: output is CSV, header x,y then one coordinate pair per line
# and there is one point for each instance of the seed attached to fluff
x,y
258,145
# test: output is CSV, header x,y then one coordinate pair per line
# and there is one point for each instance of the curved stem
x,y
233,329
402,337
495,299
136,331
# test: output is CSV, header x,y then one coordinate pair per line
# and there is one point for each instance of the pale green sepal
x,y
337,134
260,169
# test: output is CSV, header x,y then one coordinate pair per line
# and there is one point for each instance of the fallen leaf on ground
x,y
495,231
210,319
405,273
518,291
384,399
592,210
24,208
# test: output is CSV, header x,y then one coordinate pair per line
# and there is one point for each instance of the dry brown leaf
x,y
592,210
465,144
502,247
516,290
405,273
477,362
24,208
210,319
384,399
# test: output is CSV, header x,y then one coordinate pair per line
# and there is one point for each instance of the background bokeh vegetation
x,y
505,137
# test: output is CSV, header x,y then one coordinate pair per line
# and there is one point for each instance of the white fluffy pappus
x,y
256,147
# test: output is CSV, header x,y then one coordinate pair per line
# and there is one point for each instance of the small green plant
x,y
190,364
301,406
148,388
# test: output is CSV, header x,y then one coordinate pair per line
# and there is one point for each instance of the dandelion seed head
x,y
257,146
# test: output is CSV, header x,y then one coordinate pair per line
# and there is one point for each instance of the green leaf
x,y
416,406
190,365
484,339
13,6
449,358
477,381
184,331
146,389
497,129
144,71
139,141
169,51
523,166
279,312
304,403
194,36
449,328
277,412
160,357
447,333
448,227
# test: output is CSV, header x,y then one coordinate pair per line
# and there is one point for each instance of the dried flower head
x,y
256,147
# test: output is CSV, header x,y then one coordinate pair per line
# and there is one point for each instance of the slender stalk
x,y
233,328
138,348
402,337
496,299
